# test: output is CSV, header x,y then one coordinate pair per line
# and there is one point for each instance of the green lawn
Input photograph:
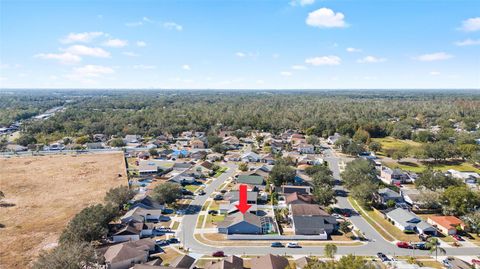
x,y
192,188
217,218
220,171
390,143
369,220
419,167
175,225
200,221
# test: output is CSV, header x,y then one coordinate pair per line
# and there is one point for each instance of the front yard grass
x,y
200,221
192,188
175,225
212,220
220,171
168,256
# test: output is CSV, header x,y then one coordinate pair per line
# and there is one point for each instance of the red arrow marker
x,y
242,205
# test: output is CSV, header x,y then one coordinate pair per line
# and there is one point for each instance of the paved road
x,y
377,244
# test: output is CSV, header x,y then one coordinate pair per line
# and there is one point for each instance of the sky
x,y
234,44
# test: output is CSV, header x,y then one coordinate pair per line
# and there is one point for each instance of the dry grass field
x,y
43,193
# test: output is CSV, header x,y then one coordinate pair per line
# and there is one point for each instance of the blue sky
x,y
281,44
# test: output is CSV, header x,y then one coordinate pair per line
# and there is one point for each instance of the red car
x,y
457,237
218,254
403,245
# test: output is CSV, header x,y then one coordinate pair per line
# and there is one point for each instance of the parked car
x,y
403,245
186,192
424,237
218,197
382,257
223,191
277,245
173,241
422,246
212,212
457,237
218,254
202,192
293,245
159,242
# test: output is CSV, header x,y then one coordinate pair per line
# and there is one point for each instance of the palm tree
x,y
330,250
433,245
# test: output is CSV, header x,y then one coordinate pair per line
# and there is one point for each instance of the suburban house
x,y
251,157
239,223
407,221
306,148
139,214
467,177
382,196
197,144
213,157
183,261
448,225
393,176
269,261
301,262
124,255
132,139
130,231
233,157
146,167
297,139
146,202
230,262
295,198
288,189
310,219
333,138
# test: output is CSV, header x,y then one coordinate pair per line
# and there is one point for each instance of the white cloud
x,y
353,50
434,73
115,43
144,67
64,58
88,51
324,60
141,44
172,26
130,54
139,23
286,73
371,59
301,2
437,56
186,67
299,67
468,42
240,54
87,72
326,18
471,25
81,37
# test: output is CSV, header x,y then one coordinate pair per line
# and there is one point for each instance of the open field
x,y
44,193
418,167
391,144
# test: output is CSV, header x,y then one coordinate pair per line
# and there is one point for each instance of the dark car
x,y
218,197
218,254
382,257
186,192
161,242
202,192
173,241
212,212
277,245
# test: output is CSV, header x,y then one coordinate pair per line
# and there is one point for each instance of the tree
x,y
433,246
434,180
323,178
429,199
345,227
83,139
375,146
312,139
311,170
353,262
363,192
361,136
243,167
119,195
354,149
473,222
282,174
71,255
219,148
117,143
213,140
459,200
359,171
153,152
401,131
342,143
324,195
330,250
467,150
26,139
390,203
89,225
167,193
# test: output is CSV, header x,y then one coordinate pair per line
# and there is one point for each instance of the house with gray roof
x,y
250,179
382,196
239,223
407,221
183,261
310,219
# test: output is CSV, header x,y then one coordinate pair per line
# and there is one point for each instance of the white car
x,y
293,245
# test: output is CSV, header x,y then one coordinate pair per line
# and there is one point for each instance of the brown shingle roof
x,y
293,197
269,261
307,210
230,262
